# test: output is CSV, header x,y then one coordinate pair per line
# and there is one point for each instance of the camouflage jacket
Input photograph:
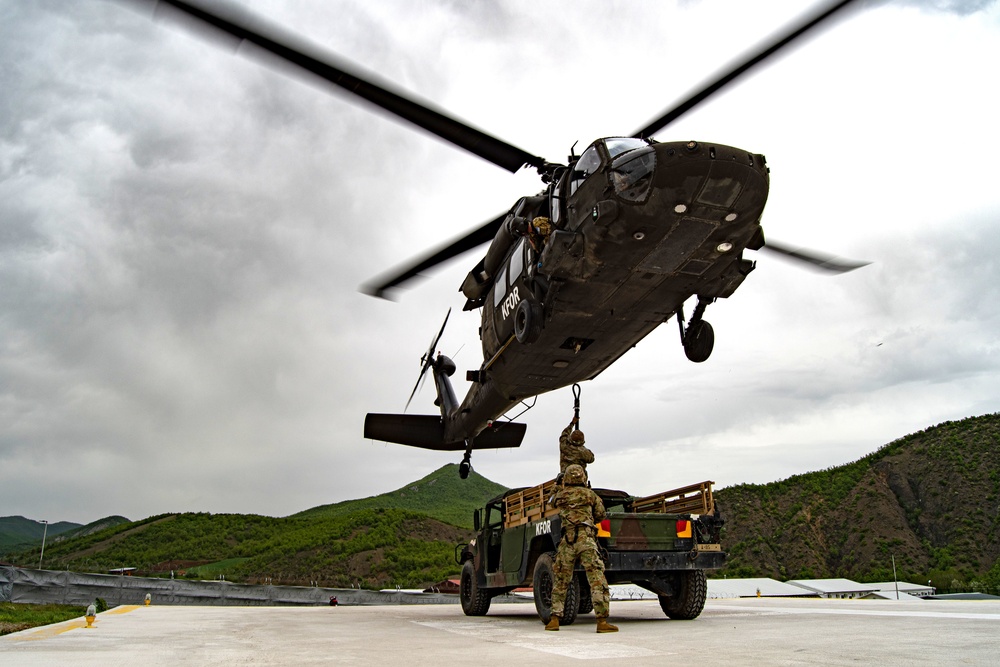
x,y
579,506
570,452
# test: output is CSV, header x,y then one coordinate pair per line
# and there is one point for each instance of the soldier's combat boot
x,y
553,623
604,626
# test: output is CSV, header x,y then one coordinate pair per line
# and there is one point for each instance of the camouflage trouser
x,y
584,548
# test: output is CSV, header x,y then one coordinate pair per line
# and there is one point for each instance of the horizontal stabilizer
x,y
427,432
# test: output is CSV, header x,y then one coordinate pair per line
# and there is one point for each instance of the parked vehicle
x,y
663,543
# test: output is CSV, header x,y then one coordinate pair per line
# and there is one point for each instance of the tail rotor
x,y
427,360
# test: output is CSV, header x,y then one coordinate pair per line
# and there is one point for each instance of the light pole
x,y
894,575
44,532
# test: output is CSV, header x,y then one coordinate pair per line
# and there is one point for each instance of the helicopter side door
x,y
510,290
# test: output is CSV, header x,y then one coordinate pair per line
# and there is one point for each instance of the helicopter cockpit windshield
x,y
632,173
618,145
590,161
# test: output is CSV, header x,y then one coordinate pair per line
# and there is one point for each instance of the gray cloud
x,y
960,7
182,232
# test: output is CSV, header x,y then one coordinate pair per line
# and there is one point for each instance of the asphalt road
x,y
767,631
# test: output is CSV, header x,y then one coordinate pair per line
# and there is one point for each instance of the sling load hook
x,y
576,405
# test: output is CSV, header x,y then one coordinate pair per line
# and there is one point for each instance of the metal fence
x,y
52,587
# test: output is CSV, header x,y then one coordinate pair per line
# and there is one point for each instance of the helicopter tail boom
x,y
427,432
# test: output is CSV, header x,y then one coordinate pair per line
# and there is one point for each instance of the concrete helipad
x,y
745,632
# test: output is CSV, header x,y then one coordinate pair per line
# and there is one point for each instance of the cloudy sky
x,y
183,231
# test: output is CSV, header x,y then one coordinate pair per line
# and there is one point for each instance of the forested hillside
x,y
929,499
375,542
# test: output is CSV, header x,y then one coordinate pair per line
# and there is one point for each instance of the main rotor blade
x,y
815,259
246,27
765,51
482,234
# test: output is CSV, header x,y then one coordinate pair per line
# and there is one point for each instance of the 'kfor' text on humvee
x,y
663,543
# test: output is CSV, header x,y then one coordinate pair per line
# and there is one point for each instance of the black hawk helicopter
x,y
618,240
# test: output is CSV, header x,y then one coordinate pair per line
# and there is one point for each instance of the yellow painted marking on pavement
x,y
123,609
56,629
49,631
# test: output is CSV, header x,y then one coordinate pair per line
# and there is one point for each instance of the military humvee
x,y
663,543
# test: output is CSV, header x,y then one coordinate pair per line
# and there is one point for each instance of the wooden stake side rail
x,y
694,499
530,504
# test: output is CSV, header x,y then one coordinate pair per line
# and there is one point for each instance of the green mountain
x,y
442,495
95,526
17,533
929,501
376,542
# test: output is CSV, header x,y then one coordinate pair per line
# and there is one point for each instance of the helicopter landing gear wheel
x,y
699,340
465,467
527,322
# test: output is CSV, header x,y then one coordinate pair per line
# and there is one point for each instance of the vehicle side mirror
x,y
477,520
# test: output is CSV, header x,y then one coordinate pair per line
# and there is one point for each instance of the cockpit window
x,y
588,164
618,145
632,174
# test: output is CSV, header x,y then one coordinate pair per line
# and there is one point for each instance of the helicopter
x,y
619,239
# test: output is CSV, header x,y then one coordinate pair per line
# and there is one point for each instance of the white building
x,y
844,589
904,588
754,587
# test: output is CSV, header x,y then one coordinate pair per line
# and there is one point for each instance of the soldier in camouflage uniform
x,y
572,450
538,233
580,510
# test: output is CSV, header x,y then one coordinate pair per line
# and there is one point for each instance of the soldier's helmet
x,y
542,226
575,475
576,437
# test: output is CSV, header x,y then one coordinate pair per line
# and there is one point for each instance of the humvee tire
x,y
691,587
542,582
586,601
475,601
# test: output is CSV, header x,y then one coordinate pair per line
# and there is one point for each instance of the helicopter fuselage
x,y
632,236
